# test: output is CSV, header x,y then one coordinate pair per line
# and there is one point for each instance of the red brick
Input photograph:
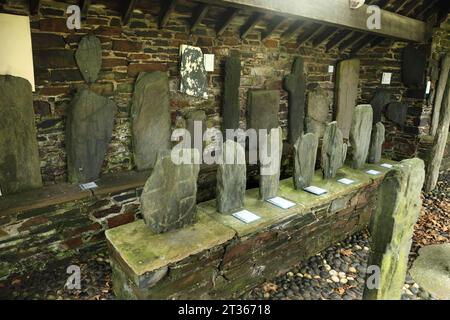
x,y
114,62
74,243
32,222
108,31
47,41
270,43
78,231
135,68
54,25
121,219
127,46
106,212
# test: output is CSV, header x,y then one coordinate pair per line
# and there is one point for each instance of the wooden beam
x,y
128,12
250,24
278,21
225,23
337,13
166,12
349,41
199,15
292,30
323,36
344,34
34,7
84,5
309,34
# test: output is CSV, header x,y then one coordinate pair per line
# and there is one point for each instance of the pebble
x,y
333,273
335,279
342,275
352,270
343,280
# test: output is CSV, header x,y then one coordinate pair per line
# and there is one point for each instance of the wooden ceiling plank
x,y
200,12
225,23
166,12
272,27
34,7
293,29
128,12
324,36
335,41
250,24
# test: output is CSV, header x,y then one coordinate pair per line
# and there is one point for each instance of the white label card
x,y
316,190
346,181
330,69
1,192
386,165
246,216
281,203
209,62
428,90
87,186
387,76
373,172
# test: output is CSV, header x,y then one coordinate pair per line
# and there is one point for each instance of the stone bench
x,y
221,257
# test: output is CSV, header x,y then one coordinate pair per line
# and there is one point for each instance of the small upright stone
x,y
231,108
270,157
295,84
317,112
231,178
376,143
334,151
398,209
360,134
305,155
89,57
90,122
168,200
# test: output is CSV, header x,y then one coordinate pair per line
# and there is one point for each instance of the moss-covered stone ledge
x,y
221,257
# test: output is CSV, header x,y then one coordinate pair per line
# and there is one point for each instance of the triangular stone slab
x,y
270,158
376,143
231,178
295,84
90,122
151,122
334,151
168,201
360,135
19,155
305,155
89,57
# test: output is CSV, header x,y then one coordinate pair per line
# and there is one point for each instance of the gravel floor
x,y
337,273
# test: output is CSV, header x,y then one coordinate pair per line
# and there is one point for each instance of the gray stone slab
x,y
90,122
270,158
19,155
376,143
379,102
334,151
151,122
262,109
89,57
360,135
396,112
414,64
318,109
347,80
305,155
295,85
168,201
231,109
194,78
231,178
392,228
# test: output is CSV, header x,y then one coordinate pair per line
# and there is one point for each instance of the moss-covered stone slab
x,y
431,270
334,151
19,155
397,211
143,251
360,134
376,143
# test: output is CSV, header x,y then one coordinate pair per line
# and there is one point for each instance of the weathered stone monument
x,y
360,134
376,143
262,109
317,112
168,200
305,155
231,107
347,80
295,84
397,112
150,114
392,227
90,122
194,78
19,155
334,151
379,102
231,178
270,157
196,126
89,57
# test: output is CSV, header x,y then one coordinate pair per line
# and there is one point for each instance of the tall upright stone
x,y
295,85
168,201
379,102
360,135
318,108
89,57
440,90
440,141
262,109
392,228
19,154
270,153
305,155
90,122
150,114
231,178
334,151
346,93
376,143
231,107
